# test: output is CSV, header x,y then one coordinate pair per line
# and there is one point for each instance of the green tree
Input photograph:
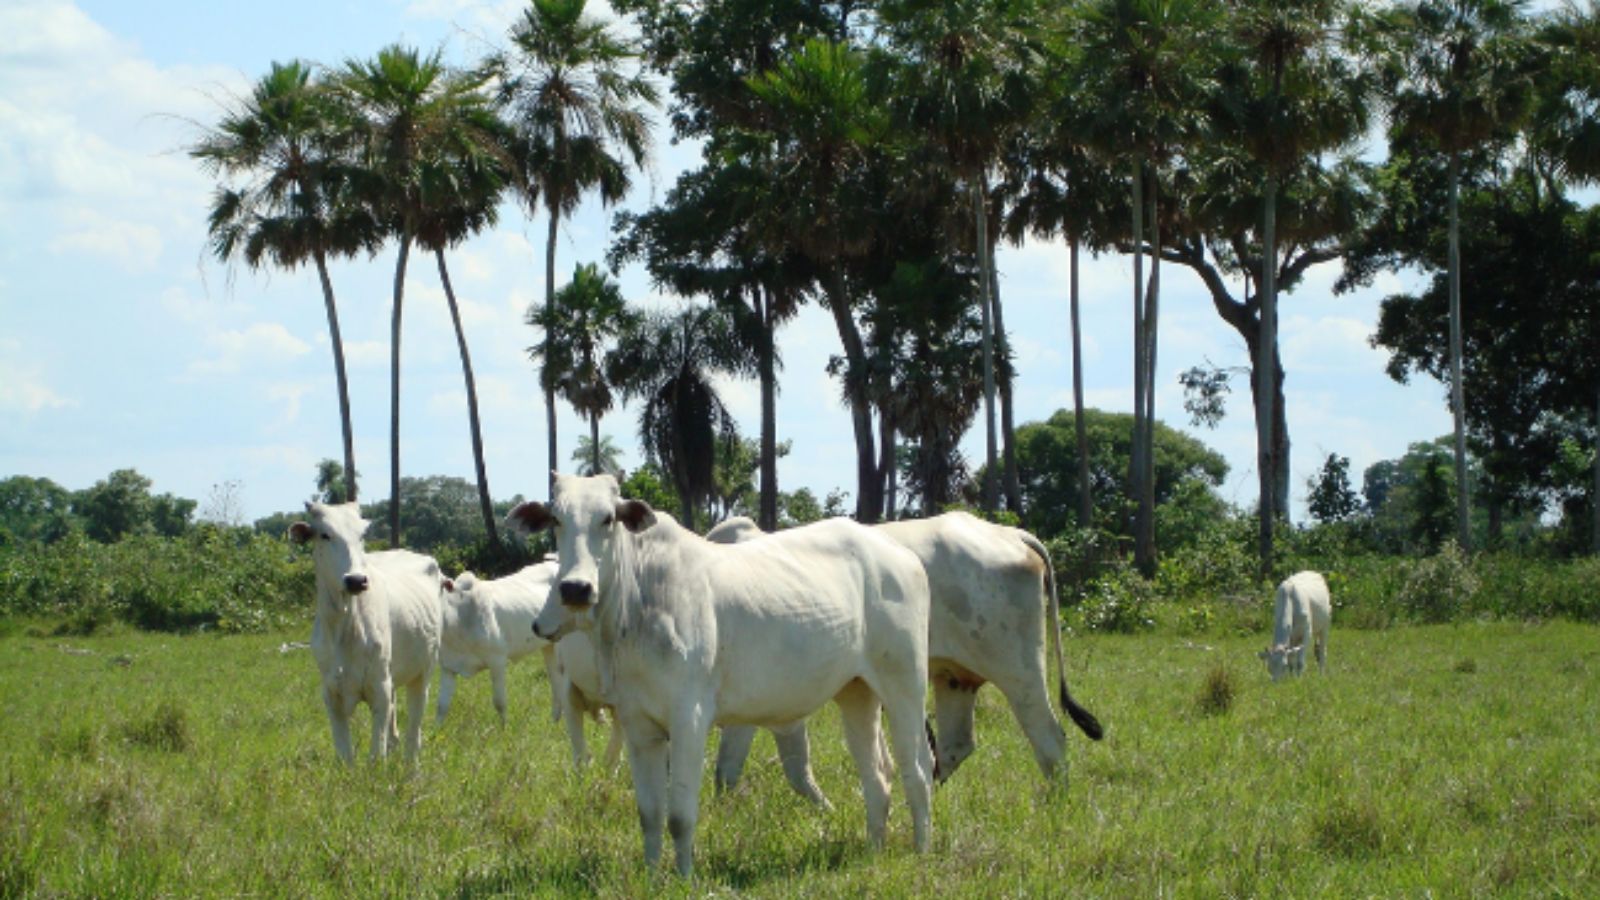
x,y
1567,121
1456,77
34,509
965,82
438,510
581,118
593,459
1331,498
1046,450
650,484
121,504
1290,95
822,128
402,107
296,202
580,325
669,363
330,481
1143,71
464,166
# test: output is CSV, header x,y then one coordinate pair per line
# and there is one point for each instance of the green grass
x,y
1452,760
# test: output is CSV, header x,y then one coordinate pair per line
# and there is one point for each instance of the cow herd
x,y
671,634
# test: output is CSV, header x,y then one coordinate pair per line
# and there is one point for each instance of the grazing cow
x,y
1301,615
993,596
488,624
692,634
377,625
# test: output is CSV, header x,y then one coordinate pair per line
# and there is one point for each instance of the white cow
x,y
488,624
377,625
692,634
993,598
1302,614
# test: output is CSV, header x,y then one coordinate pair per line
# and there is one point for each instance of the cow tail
x,y
1081,717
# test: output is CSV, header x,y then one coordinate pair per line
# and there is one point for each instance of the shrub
x,y
1217,691
1438,587
1122,601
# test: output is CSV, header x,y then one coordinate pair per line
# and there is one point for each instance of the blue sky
x,y
122,344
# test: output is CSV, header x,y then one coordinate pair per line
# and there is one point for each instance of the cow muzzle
x,y
355,584
577,593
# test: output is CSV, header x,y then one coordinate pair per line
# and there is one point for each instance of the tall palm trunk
x,y
1011,482
594,443
1457,401
549,305
1145,540
886,440
869,486
1136,456
1266,350
394,390
991,454
767,514
339,376
485,505
1085,500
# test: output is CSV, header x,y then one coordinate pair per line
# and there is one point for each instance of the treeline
x,y
869,157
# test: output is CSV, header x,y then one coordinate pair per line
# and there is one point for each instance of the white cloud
x,y
22,387
133,245
259,343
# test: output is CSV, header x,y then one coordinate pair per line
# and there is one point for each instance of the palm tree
x,y
821,130
401,104
462,169
295,204
965,82
587,315
594,458
1142,70
669,362
577,111
1288,95
1455,76
1568,127
719,234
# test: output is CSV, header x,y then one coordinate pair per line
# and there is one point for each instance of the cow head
x,y
335,533
1280,659
589,517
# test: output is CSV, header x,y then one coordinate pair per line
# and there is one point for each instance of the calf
x,y
691,634
1302,614
488,624
377,625
993,599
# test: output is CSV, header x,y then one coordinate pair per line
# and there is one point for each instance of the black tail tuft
x,y
1081,717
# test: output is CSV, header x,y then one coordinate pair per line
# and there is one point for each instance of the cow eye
x,y
325,536
607,521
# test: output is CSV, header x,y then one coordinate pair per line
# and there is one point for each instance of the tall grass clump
x,y
1218,690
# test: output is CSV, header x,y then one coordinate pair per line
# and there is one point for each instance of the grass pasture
x,y
1456,760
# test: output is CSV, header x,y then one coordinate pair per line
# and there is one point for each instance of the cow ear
x,y
299,532
530,518
449,586
635,515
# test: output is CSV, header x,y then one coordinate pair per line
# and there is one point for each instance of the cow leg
x,y
339,724
794,751
858,710
733,748
447,692
953,702
381,700
909,741
1322,653
690,728
497,675
416,707
1030,703
613,751
572,711
552,675
647,758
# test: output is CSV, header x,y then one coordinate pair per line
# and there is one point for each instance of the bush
x,y
1122,601
211,577
1439,587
